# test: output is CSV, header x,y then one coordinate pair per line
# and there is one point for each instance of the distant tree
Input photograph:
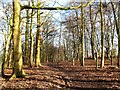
x,y
107,39
31,39
92,33
83,31
26,59
112,38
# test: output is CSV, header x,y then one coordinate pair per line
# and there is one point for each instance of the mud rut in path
x,y
64,75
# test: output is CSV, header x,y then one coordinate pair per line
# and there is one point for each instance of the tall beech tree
x,y
38,38
17,45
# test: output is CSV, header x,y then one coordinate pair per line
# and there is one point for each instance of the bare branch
x,y
55,8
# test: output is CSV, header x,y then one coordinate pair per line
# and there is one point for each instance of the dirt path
x,y
63,75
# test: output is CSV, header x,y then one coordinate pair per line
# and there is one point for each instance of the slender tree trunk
x,y
107,38
7,49
31,41
59,50
83,30
86,47
119,34
92,34
6,53
117,28
74,46
26,38
112,38
11,56
115,19
31,44
17,44
65,50
79,37
38,39
102,34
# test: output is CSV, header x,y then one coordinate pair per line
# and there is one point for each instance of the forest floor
x,y
63,75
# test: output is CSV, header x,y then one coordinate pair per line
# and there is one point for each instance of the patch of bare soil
x,y
64,75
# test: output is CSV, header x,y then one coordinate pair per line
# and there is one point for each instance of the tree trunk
x,y
92,34
112,38
102,34
79,37
59,50
17,51
74,46
107,39
38,39
6,54
119,34
31,41
117,28
31,46
26,38
83,30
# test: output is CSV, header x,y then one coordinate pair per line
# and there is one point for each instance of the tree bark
x,y
117,28
17,51
92,34
6,54
26,38
119,34
102,34
38,39
83,30
31,42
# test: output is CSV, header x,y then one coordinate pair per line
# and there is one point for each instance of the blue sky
x,y
60,2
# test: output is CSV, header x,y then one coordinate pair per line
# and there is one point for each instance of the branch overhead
x,y
56,8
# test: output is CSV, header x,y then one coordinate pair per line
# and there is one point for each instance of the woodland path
x,y
64,75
